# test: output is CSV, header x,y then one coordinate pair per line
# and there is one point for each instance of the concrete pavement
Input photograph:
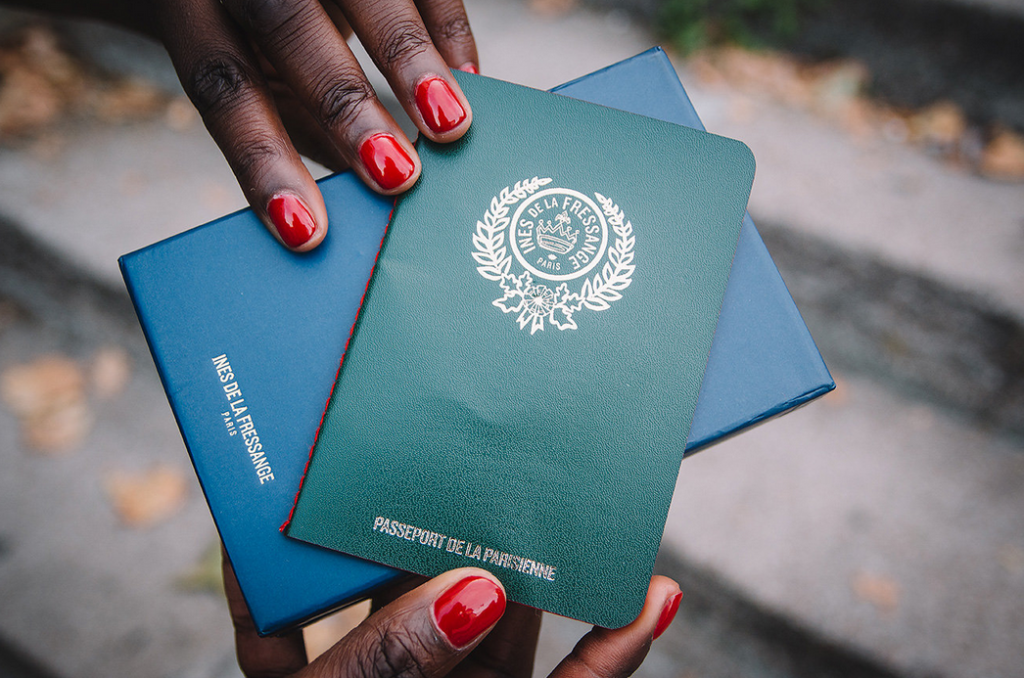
x,y
884,530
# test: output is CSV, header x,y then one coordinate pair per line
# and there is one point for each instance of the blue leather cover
x,y
763,361
282,321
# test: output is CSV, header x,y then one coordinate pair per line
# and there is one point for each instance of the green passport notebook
x,y
520,382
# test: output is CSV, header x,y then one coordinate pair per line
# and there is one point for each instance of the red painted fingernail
x,y
668,613
438,105
469,67
386,161
292,219
468,609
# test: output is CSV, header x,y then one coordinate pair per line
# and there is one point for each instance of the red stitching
x,y
337,374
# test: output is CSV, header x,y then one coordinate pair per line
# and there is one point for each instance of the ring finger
x,y
304,45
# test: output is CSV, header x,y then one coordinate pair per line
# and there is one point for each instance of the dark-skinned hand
x,y
456,624
276,78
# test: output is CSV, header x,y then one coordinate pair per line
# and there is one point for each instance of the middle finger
x,y
400,45
304,45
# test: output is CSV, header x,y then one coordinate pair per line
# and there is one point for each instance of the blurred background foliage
x,y
694,24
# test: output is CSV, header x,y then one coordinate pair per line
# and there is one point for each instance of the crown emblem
x,y
557,237
553,289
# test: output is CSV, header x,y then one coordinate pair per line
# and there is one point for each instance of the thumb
x,y
604,653
424,633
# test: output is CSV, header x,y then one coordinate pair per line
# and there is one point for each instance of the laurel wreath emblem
x,y
536,303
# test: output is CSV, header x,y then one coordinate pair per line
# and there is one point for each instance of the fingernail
x,y
386,161
438,105
468,608
668,613
292,219
469,67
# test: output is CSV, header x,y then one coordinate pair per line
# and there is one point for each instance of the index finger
x,y
220,75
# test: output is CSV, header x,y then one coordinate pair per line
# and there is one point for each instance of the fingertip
x,y
445,113
389,165
619,652
296,223
668,613
661,605
469,607
432,627
661,583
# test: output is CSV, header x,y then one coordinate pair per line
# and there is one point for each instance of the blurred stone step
x,y
918,51
905,267
877,524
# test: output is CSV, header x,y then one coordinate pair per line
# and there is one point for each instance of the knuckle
x,y
402,41
339,102
394,651
264,17
619,665
456,30
216,81
255,153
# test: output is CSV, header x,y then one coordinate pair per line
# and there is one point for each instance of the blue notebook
x,y
247,339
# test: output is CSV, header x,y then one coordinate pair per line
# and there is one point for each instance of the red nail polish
x,y
438,105
292,219
469,67
668,613
386,161
468,608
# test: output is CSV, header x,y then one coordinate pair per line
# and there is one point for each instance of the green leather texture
x,y
486,415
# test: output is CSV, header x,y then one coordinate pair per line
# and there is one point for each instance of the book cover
x,y
246,337
228,288
520,384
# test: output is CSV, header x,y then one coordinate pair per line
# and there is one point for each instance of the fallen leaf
x,y
42,384
1003,157
942,124
110,372
40,46
181,114
879,590
703,67
552,8
837,90
859,118
59,429
128,100
48,397
27,101
142,499
41,83
836,84
38,81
